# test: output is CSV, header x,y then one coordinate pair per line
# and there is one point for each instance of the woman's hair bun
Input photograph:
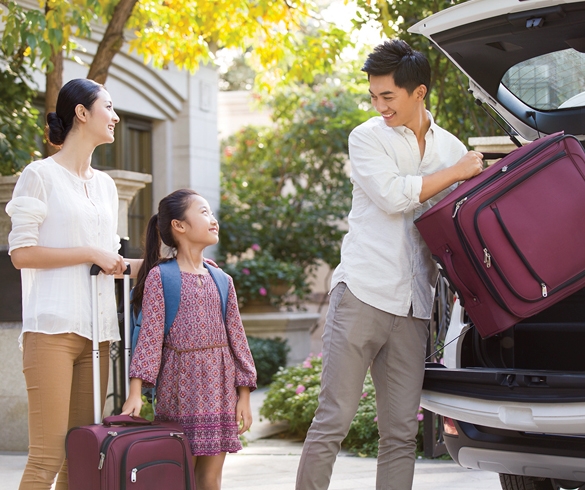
x,y
56,132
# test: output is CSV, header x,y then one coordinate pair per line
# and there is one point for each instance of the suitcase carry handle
x,y
125,420
95,346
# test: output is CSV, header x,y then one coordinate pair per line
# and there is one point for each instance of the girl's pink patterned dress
x,y
201,364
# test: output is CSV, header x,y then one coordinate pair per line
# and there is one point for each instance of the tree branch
x,y
112,41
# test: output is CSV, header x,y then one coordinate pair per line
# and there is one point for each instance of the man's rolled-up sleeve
x,y
377,173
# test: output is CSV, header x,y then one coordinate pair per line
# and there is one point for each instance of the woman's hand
x,y
243,410
109,262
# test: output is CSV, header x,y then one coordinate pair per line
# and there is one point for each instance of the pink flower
x,y
246,271
307,364
320,354
376,418
263,291
255,247
420,417
300,389
364,394
288,386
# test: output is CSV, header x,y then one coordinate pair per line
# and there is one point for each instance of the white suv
x,y
514,403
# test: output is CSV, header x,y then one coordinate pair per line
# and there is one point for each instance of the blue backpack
x,y
171,282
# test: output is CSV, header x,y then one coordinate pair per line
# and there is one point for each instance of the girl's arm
x,y
243,409
133,404
243,360
37,257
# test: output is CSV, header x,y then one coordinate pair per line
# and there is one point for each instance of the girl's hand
x,y
134,402
132,406
243,410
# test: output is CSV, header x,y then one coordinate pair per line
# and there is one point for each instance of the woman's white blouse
x,y
51,207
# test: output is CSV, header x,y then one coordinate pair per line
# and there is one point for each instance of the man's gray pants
x,y
357,337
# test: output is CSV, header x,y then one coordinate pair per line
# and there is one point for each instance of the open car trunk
x,y
519,378
526,62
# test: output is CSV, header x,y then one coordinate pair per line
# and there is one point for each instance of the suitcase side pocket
x,y
160,461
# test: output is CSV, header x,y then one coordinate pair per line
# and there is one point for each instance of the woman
x,y
64,218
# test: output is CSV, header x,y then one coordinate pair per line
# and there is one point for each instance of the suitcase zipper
x,y
112,434
487,255
503,170
134,472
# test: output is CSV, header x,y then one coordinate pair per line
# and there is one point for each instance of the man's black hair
x,y
408,67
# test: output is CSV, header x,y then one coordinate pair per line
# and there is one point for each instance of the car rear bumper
x,y
537,401
518,453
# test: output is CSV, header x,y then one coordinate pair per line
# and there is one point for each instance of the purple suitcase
x,y
511,241
126,452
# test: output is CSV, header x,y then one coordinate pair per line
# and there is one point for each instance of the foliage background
x,y
285,188
269,356
449,101
19,125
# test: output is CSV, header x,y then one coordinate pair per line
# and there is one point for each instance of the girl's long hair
x,y
159,231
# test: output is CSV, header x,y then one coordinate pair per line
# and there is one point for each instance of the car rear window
x,y
549,82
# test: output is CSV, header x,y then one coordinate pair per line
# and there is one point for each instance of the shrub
x,y
269,355
293,397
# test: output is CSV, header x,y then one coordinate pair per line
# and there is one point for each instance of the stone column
x,y
128,184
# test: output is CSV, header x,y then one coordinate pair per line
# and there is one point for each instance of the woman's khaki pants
x,y
59,382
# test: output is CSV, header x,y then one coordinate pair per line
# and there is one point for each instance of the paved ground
x,y
271,463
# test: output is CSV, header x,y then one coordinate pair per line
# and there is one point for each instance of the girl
x,y
203,369
64,218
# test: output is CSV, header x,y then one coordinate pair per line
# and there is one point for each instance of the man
x,y
382,291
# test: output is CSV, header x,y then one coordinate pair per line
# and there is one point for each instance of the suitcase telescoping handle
x,y
95,346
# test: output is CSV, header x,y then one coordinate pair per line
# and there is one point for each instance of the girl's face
x,y
200,225
101,119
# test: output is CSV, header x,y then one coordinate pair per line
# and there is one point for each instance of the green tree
x,y
285,189
183,32
19,129
449,100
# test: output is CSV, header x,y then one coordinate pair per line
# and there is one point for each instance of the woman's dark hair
x,y
408,67
159,229
77,91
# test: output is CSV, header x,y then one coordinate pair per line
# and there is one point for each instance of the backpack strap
x,y
222,282
170,275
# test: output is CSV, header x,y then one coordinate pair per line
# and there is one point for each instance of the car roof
x,y
524,58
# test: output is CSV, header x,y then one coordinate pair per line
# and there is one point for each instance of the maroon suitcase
x,y
511,241
126,452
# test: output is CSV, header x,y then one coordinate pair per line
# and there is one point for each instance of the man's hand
x,y
469,165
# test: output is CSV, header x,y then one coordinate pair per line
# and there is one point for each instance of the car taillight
x,y
449,427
